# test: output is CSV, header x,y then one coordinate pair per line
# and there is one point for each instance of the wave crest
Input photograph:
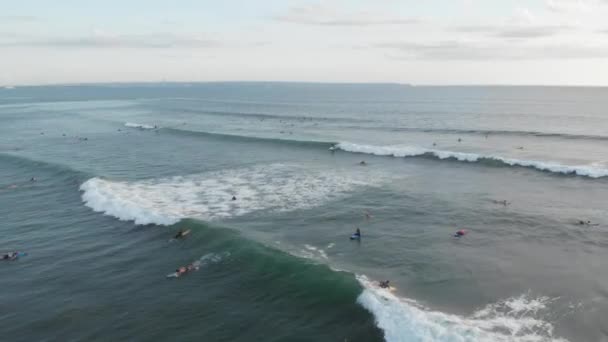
x,y
414,151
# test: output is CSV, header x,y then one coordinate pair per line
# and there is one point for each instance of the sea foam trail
x,y
515,319
414,151
208,196
137,125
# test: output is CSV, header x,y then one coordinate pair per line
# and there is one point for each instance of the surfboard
x,y
355,237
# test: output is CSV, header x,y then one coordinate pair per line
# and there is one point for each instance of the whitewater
x,y
414,151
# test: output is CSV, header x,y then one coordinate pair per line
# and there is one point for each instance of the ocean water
x,y
119,169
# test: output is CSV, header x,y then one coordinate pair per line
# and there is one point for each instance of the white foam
x,y
142,126
207,196
412,151
211,258
515,319
319,251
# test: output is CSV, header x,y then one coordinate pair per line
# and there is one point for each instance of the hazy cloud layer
x,y
326,16
516,31
153,41
457,50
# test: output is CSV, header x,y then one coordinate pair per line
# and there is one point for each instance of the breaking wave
x,y
414,151
208,196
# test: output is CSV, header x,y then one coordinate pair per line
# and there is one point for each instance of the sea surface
x,y
96,179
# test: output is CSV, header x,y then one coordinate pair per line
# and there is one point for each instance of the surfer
x,y
588,223
503,202
33,179
368,216
384,284
356,235
461,233
459,140
234,198
362,162
10,256
181,234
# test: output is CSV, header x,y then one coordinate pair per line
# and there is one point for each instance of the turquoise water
x,y
119,169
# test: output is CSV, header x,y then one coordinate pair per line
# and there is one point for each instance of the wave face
x,y
401,319
289,286
207,196
414,151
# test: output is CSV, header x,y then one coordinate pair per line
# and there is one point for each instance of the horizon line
x,y
337,83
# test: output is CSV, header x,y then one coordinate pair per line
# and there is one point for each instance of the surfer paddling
x,y
181,234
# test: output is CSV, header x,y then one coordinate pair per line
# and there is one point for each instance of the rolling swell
x,y
275,290
31,167
414,151
246,139
500,133
265,116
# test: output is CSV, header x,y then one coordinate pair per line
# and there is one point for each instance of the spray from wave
x,y
413,151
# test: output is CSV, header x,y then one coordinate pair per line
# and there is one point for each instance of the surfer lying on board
x,y
384,284
185,269
461,233
588,223
10,256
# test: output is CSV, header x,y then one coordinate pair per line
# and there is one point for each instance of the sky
x,y
421,42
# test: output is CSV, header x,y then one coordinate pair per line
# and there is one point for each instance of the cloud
x,y
516,31
461,50
99,39
326,16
